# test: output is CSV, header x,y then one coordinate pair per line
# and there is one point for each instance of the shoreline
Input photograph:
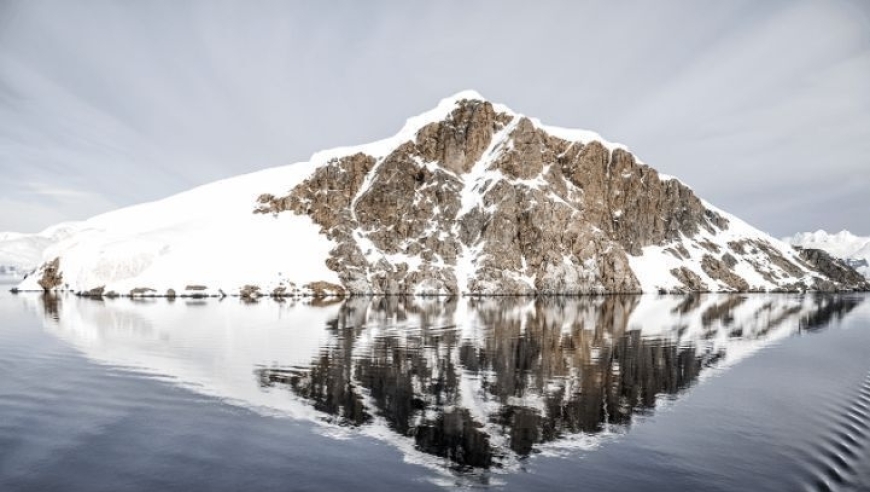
x,y
222,295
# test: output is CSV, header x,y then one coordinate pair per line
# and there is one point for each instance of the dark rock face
x,y
837,271
635,207
486,202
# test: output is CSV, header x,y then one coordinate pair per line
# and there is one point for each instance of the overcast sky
x,y
762,107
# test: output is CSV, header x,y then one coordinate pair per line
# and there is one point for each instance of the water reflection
x,y
471,383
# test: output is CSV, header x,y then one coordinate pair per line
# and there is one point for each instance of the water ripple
x,y
833,468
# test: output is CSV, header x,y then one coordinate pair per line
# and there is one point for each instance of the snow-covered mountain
x,y
854,250
22,253
470,197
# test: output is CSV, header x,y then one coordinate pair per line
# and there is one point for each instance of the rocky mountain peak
x,y
472,197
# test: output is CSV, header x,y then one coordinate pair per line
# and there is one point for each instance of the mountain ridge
x,y
468,198
849,247
20,253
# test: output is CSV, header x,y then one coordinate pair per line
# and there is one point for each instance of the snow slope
x,y
843,244
207,237
22,253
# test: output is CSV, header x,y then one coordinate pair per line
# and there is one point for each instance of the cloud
x,y
50,192
48,206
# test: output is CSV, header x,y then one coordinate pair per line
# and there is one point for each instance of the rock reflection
x,y
831,308
51,305
491,384
460,384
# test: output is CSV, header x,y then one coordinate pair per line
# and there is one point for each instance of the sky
x,y
763,108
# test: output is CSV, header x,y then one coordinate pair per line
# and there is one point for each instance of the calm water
x,y
634,393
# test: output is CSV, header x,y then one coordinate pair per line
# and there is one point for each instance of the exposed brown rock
x,y
52,277
459,141
142,291
682,250
718,270
764,272
530,153
676,254
709,245
95,292
325,289
630,202
279,291
691,280
778,259
250,291
268,204
738,247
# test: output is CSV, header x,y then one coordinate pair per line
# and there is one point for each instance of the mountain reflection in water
x,y
478,383
532,373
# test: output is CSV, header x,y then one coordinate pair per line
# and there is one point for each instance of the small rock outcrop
x,y
95,292
250,292
719,270
324,289
52,277
142,292
690,280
